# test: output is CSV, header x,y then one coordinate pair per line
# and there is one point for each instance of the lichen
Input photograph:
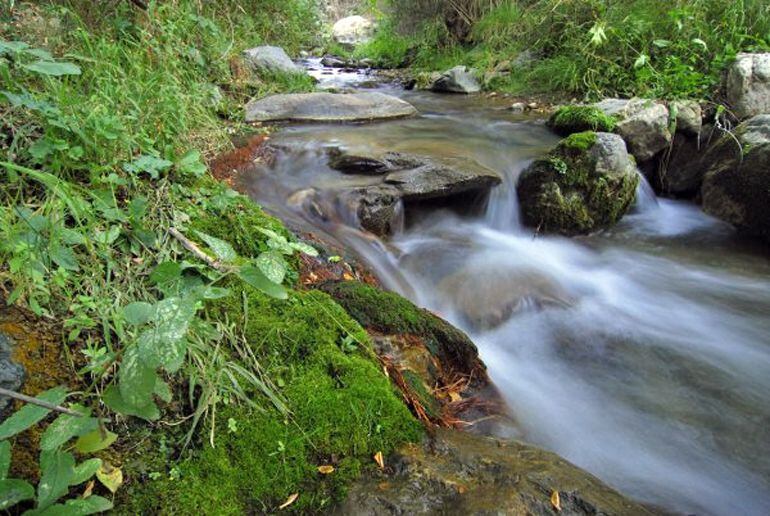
x,y
574,119
343,411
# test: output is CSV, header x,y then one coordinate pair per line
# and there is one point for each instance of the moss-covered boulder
x,y
436,365
567,120
736,187
586,183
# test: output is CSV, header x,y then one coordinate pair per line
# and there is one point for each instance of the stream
x,y
652,369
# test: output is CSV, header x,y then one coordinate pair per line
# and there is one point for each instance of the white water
x,y
654,374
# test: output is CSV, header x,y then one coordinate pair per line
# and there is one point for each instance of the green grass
x,y
599,48
574,119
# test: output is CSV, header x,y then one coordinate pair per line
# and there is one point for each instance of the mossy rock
x,y
586,183
343,411
567,120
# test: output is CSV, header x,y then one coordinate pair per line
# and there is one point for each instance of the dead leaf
x,y
454,396
290,500
348,277
379,460
88,490
325,470
110,476
555,501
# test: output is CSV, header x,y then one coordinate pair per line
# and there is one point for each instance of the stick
x,y
39,402
194,249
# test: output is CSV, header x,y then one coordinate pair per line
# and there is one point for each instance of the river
x,y
652,369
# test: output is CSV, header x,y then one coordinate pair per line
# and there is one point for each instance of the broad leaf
x,y
138,313
52,68
162,390
76,507
65,428
95,441
12,47
13,491
115,401
164,343
136,378
57,470
64,257
302,247
166,272
5,458
151,165
257,279
272,265
222,250
111,477
28,415
191,164
85,470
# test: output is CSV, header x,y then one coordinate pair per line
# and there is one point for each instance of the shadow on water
x,y
641,354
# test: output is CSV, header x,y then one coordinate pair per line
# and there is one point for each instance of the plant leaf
x,y
272,265
163,391
222,250
166,272
95,441
52,68
136,379
151,165
290,500
77,507
85,470
115,401
302,247
13,491
164,343
191,164
65,428
5,459
257,279
110,477
138,313
28,415
57,469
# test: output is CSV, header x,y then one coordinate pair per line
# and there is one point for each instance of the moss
x,y
574,119
580,141
344,410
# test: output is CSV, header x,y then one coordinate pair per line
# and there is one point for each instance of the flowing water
x,y
650,368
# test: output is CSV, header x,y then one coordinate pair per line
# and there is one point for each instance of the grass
x,y
599,48
103,149
574,119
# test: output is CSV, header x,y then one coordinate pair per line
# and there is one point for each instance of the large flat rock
x,y
328,107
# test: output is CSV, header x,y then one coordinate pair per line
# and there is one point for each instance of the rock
x,y
524,59
455,472
518,107
487,294
681,169
457,80
423,353
271,59
356,165
353,30
736,187
689,116
586,183
643,124
748,85
333,62
328,107
409,178
11,373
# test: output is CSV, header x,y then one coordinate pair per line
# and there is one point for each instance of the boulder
x,y
682,167
407,178
271,60
353,30
459,79
688,115
643,124
456,472
328,107
748,85
736,187
586,183
11,373
355,165
333,62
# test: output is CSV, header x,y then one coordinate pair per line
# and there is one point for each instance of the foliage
x,y
597,48
573,119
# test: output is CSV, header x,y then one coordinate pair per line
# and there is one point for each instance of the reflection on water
x,y
641,354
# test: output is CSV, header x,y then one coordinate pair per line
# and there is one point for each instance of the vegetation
x,y
174,293
574,119
593,48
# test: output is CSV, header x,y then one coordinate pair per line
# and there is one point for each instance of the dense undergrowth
x,y
108,115
659,48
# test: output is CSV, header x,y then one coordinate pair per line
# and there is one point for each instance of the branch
x,y
194,249
38,402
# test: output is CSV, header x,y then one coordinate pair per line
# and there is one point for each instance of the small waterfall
x,y
646,200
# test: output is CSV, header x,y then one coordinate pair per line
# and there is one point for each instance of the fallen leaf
x,y
454,396
348,277
379,460
555,501
88,490
325,470
110,476
290,500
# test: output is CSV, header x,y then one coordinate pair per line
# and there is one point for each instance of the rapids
x,y
652,371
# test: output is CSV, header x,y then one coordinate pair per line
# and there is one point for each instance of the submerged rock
x,y
736,187
272,60
459,473
643,124
355,165
586,183
328,107
353,30
459,79
748,85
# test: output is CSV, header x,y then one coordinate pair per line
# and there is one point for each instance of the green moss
x,y
574,119
344,410
580,141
